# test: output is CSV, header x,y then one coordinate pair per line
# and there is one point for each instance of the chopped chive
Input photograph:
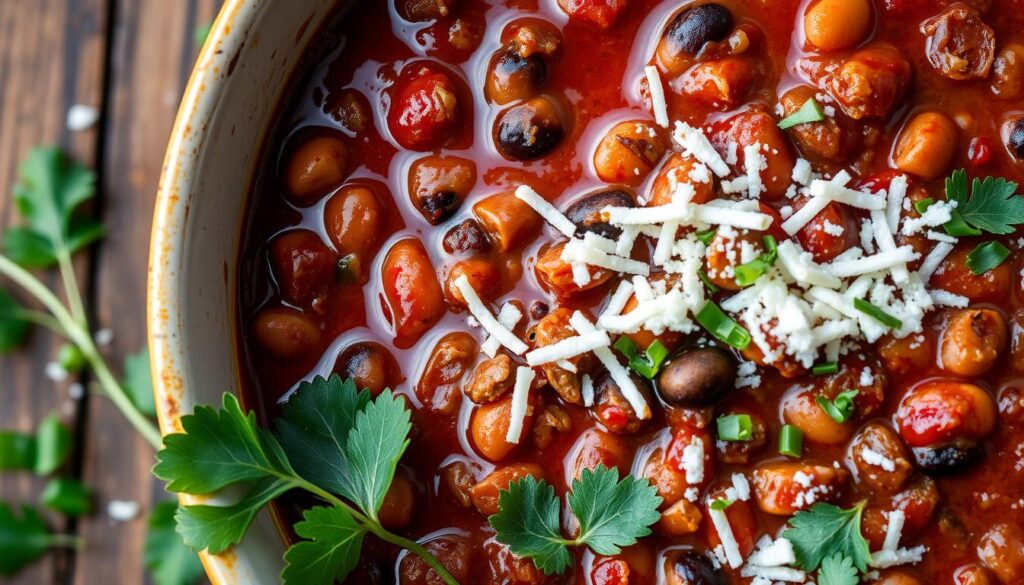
x,y
721,504
923,205
722,326
809,112
791,441
986,257
748,272
735,427
825,368
646,364
877,314
840,409
706,236
712,288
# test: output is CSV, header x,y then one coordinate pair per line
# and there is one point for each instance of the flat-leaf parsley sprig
x,y
612,514
332,441
829,537
991,205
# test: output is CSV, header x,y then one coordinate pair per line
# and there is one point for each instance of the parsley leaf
x,y
528,523
838,569
332,548
374,447
53,445
17,451
49,190
24,538
992,206
217,449
13,326
612,513
315,426
138,382
169,561
825,530
67,496
217,528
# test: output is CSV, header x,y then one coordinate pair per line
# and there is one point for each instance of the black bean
x,y
697,377
529,130
689,567
1015,137
586,211
948,458
692,28
466,237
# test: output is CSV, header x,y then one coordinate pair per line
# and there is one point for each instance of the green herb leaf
x,y
22,539
735,427
825,368
71,358
17,451
612,513
331,550
722,326
838,569
748,272
374,447
646,364
993,205
987,256
528,522
840,409
13,326
825,530
721,504
67,496
169,561
217,449
877,314
712,287
50,189
138,382
923,205
53,445
809,112
217,528
706,236
314,429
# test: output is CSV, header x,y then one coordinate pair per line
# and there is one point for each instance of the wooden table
x,y
131,59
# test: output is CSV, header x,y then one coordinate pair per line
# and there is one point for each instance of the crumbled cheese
x,y
802,172
785,574
520,402
729,544
948,299
699,147
801,217
894,199
884,260
123,510
476,307
754,162
587,390
872,457
568,348
886,243
658,103
937,236
508,317
772,553
579,251
885,558
624,245
932,261
580,274
937,214
801,267
832,229
693,461
666,240
742,486
527,195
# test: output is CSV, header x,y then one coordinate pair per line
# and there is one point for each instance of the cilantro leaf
x,y
53,445
138,382
612,513
49,191
331,551
838,569
315,426
13,326
169,561
217,528
825,530
217,449
375,445
528,523
993,205
67,496
24,538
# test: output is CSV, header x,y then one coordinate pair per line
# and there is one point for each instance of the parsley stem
x,y
43,320
65,541
375,527
76,333
70,281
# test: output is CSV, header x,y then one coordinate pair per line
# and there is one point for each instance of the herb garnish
x,y
24,538
612,514
877,314
829,537
748,272
331,441
722,326
721,504
735,427
986,256
646,364
169,561
838,569
809,112
992,206
840,409
825,368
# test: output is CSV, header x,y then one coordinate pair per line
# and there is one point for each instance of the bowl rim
x,y
198,104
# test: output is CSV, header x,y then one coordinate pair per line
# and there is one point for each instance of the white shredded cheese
x,y
568,348
658,103
477,308
579,251
618,300
894,530
894,201
948,299
587,390
731,547
618,373
527,195
698,146
508,317
784,574
520,402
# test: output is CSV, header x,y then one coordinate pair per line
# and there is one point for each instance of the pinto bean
x,y
721,83
555,327
958,43
485,493
939,411
954,276
819,236
557,274
787,487
669,481
833,25
680,169
449,361
354,222
396,508
871,82
880,459
303,266
439,184
315,168
424,10
830,140
1008,72
1012,133
1001,549
800,408
689,31
756,125
680,519
971,575
466,237
927,145
902,355
508,221
512,76
286,333
488,427
491,380
918,502
412,291
628,152
728,249
370,365
460,477
972,341
594,448
1011,405
483,275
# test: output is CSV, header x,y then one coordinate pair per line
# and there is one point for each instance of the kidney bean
x,y
353,218
439,184
954,276
411,290
927,145
370,365
451,358
830,140
303,266
945,414
594,448
833,25
483,276
830,233
287,333
316,167
425,111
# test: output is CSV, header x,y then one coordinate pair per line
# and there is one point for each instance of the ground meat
x,y
491,379
555,327
959,45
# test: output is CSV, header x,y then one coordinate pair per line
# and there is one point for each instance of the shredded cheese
x,y
520,402
698,146
568,348
618,373
527,195
724,530
508,317
476,307
658,103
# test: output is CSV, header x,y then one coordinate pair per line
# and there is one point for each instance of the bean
x,y
488,427
972,341
689,31
954,276
466,237
396,508
927,145
511,76
871,81
833,25
303,266
286,333
455,553
833,139
801,409
888,476
557,274
485,493
699,376
439,184
369,365
958,43
1001,549
785,488
1013,137
508,221
1008,72
483,276
689,567
529,130
316,167
425,112
679,168
721,83
411,290
353,218
628,152
451,358
600,13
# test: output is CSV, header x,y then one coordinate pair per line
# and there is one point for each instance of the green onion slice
x,y
646,364
722,326
706,236
748,272
923,205
986,257
877,314
791,441
840,409
825,368
721,504
735,427
712,288
809,112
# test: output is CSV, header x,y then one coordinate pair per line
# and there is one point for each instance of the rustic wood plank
x,y
52,55
152,52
